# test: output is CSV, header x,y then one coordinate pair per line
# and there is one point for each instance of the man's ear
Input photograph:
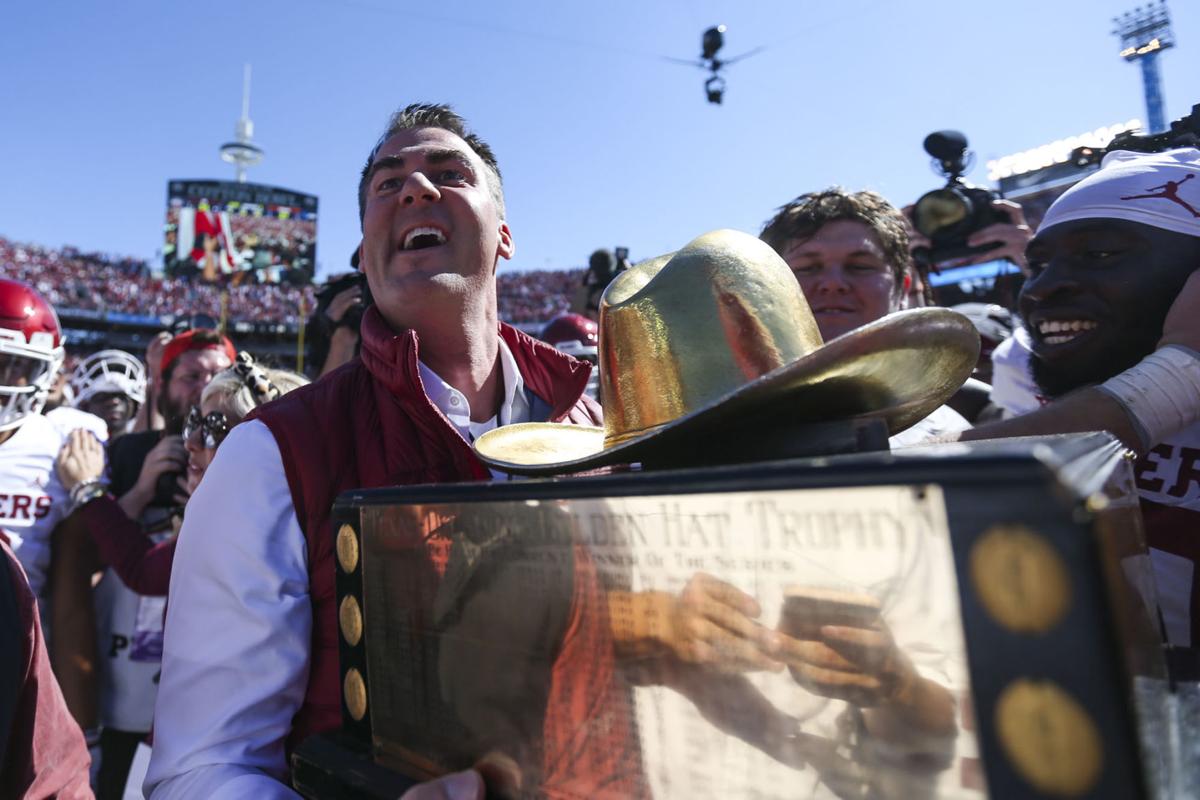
x,y
507,247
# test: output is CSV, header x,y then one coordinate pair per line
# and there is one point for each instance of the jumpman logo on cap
x,y
1170,191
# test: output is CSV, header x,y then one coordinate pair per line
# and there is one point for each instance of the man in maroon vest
x,y
250,663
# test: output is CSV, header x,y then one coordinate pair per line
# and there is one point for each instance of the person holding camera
x,y
333,327
143,566
147,477
603,266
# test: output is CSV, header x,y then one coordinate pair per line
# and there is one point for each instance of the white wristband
x,y
1161,392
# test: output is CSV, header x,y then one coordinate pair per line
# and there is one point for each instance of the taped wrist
x,y
1161,393
84,493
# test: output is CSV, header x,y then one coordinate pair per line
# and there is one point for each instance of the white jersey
x,y
941,421
67,419
129,629
32,500
1013,389
1168,483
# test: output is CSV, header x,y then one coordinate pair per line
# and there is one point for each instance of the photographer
x,y
147,475
603,266
959,224
1002,240
333,327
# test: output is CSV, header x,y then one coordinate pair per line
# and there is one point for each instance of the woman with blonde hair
x,y
142,565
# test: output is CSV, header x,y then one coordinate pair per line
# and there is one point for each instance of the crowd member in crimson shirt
x,y
42,753
250,666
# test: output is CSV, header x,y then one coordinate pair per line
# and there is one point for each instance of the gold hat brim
x,y
898,369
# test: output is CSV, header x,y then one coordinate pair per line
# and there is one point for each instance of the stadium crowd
x,y
92,282
71,279
99,463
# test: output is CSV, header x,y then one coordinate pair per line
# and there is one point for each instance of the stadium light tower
x,y
242,152
1145,32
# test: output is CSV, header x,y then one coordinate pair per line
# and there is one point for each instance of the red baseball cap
x,y
186,341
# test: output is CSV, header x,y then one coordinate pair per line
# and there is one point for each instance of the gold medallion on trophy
x,y
1020,579
347,548
354,689
1049,738
350,620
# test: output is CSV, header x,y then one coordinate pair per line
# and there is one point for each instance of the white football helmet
x,y
30,352
109,371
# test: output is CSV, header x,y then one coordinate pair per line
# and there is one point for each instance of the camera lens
x,y
939,210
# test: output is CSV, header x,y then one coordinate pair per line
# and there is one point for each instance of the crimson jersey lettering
x,y
32,500
1168,482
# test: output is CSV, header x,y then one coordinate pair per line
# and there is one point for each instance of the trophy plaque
x,y
953,621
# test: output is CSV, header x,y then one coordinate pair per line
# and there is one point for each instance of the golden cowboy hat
x,y
720,330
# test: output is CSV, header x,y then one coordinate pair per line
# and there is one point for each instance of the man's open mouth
x,y
1061,331
422,238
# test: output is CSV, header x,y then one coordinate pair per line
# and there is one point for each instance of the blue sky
x,y
602,142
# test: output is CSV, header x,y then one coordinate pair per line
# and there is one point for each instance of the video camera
x,y
1184,132
335,286
948,216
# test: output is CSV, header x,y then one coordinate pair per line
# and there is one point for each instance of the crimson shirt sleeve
x,y
45,754
143,566
591,744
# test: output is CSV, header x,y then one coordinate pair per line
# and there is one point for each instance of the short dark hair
x,y
799,221
433,115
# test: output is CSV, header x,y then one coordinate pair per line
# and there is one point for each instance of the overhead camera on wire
x,y
948,216
711,42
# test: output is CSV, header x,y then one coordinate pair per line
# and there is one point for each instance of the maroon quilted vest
x,y
369,424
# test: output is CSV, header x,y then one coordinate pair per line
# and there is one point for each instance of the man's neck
x,y
464,352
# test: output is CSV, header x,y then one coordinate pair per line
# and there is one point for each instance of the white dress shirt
x,y
452,402
239,620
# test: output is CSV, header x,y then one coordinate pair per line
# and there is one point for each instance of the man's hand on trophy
x,y
713,624
466,785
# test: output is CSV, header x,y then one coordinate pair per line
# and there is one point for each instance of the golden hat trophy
x,y
699,341
773,605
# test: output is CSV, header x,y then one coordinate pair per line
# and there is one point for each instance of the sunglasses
x,y
214,425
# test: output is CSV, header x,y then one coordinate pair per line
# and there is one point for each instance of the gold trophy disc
x,y
1020,579
1050,739
350,619
347,548
355,692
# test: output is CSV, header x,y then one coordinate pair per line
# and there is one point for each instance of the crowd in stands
x,y
71,279
528,297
